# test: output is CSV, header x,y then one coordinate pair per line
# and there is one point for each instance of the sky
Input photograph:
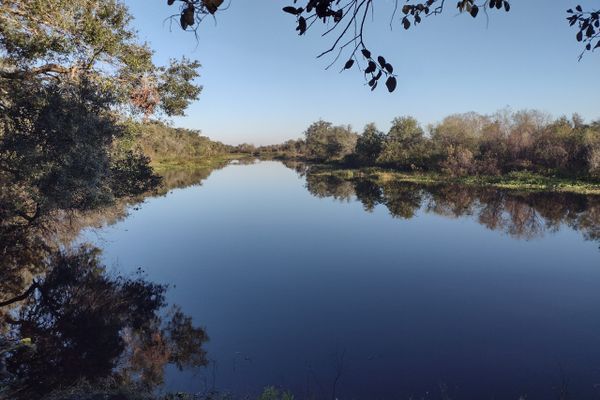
x,y
262,83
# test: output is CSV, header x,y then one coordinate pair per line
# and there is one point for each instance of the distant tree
x,y
469,143
246,148
459,161
369,145
405,144
325,142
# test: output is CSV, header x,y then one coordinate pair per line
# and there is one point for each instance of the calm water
x,y
403,291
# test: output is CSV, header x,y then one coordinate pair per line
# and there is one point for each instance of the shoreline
x,y
515,181
172,164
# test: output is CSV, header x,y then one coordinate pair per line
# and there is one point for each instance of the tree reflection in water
x,y
522,215
85,324
76,321
66,320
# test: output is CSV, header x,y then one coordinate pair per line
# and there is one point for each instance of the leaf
x,y
381,61
578,8
188,16
371,67
405,23
349,64
474,10
366,53
301,25
590,31
506,6
374,86
212,5
170,2
290,10
182,22
391,83
579,36
388,67
597,45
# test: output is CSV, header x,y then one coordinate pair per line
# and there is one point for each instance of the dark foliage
x,y
81,323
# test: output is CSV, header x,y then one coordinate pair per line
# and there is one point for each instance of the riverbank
x,y
521,181
170,164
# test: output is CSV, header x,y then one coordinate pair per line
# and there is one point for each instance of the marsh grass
x,y
169,164
521,181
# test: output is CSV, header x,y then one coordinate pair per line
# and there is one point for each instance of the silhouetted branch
x,y
588,27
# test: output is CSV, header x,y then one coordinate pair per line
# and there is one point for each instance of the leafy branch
x,y
588,27
347,20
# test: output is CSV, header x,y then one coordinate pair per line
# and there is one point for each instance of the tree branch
x,y
22,296
44,69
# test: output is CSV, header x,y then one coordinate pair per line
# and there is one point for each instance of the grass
x,y
522,181
170,164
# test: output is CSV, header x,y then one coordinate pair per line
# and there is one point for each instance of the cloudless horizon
x,y
263,83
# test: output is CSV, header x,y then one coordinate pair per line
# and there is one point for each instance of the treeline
x,y
461,144
161,142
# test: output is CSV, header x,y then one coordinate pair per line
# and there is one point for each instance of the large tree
x,y
72,74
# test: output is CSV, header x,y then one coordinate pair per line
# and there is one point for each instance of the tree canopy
x,y
74,81
72,74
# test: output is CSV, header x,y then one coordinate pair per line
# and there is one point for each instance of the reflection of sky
x,y
262,83
283,280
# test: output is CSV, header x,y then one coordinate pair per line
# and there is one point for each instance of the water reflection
x,y
397,320
81,323
521,215
65,319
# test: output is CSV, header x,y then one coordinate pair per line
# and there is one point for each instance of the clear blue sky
x,y
263,84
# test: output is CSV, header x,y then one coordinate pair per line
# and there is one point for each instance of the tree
x,y
404,145
347,20
72,76
369,145
325,142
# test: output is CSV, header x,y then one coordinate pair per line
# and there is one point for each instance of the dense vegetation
x,y
162,143
460,145
75,86
78,91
